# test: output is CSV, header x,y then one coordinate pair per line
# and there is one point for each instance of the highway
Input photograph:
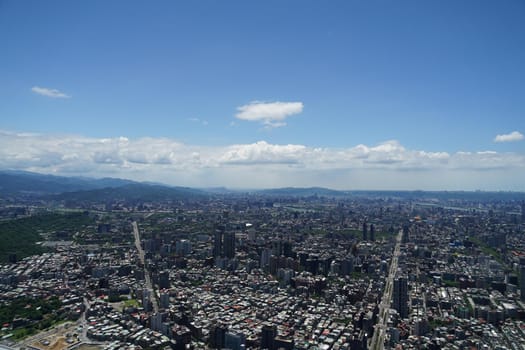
x,y
378,340
147,275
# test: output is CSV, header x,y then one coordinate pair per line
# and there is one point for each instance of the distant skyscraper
x,y
364,231
265,257
156,320
405,238
223,243
183,247
164,279
228,244
164,300
523,211
372,233
277,247
217,241
251,232
146,301
287,249
400,294
522,278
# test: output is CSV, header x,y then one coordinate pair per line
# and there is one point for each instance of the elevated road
x,y
378,339
147,276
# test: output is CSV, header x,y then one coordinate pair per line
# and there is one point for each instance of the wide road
x,y
147,276
378,340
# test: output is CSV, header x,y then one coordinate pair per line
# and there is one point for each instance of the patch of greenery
x,y
383,234
197,282
117,298
487,250
357,275
20,236
435,323
131,303
24,307
352,232
32,314
21,333
450,283
345,321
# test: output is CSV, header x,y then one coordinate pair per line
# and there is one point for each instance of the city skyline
x,y
348,95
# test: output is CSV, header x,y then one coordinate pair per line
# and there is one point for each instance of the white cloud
x,y
199,121
54,93
513,136
388,165
262,153
271,114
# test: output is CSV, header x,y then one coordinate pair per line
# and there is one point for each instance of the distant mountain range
x,y
12,182
88,189
64,188
135,192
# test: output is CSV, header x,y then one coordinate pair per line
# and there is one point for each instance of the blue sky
x,y
382,89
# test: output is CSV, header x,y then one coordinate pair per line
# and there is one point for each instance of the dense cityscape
x,y
262,175
371,270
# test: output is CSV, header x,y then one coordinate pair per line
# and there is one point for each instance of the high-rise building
x,y
146,300
400,294
217,241
522,278
235,341
164,279
275,263
157,319
277,247
228,244
372,233
312,264
287,248
182,336
364,231
268,334
223,243
183,247
217,338
265,257
347,266
251,232
164,300
406,236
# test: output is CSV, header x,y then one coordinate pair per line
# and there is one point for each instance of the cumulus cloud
x,y
388,165
271,114
262,153
513,136
54,93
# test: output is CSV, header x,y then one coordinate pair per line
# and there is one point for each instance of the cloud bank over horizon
x,y
387,165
